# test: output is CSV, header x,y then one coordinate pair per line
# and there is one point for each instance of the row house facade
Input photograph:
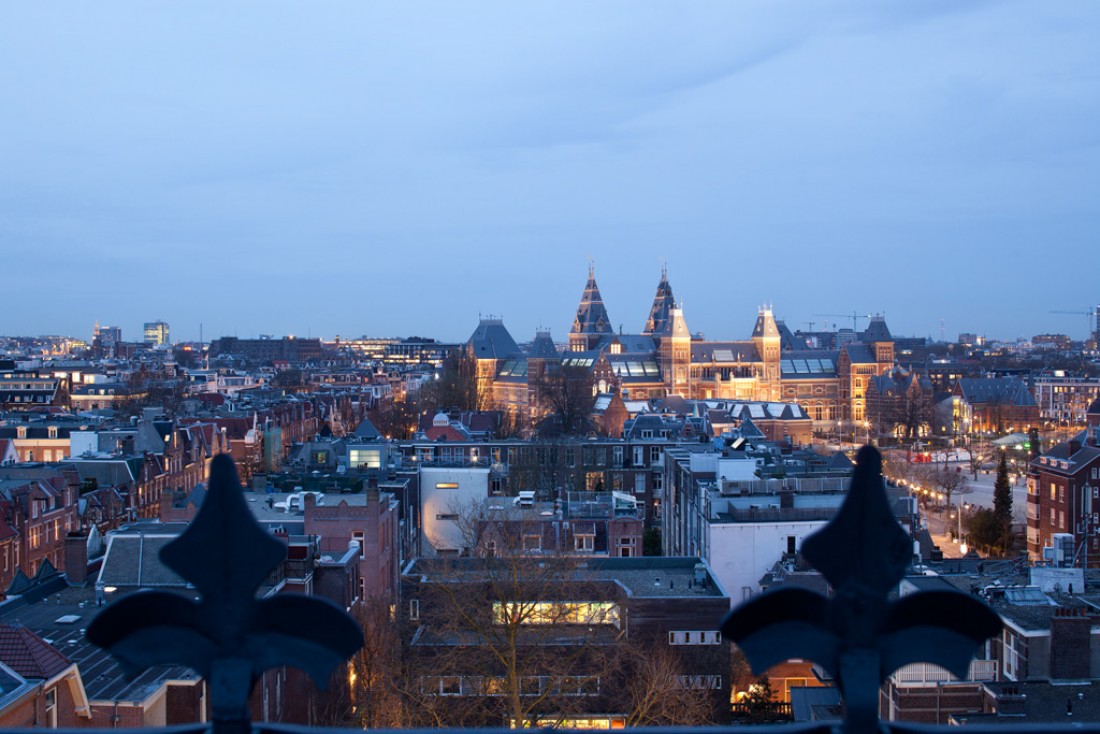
x,y
35,517
1064,398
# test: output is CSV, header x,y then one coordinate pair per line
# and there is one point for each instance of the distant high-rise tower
x,y
591,323
156,333
659,322
106,339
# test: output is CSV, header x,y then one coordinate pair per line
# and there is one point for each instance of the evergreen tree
x,y
1002,501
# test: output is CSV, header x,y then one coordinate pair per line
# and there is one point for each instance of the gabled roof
x,y
366,430
859,353
839,462
543,346
876,331
28,654
787,340
999,390
492,341
748,430
591,315
629,343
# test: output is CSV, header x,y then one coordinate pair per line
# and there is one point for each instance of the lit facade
x,y
667,359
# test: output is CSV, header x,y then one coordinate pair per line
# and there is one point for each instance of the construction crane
x,y
853,316
1089,315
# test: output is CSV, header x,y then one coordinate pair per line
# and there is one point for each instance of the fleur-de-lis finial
x,y
230,636
859,635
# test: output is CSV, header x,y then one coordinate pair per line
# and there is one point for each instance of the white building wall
x,y
438,501
741,553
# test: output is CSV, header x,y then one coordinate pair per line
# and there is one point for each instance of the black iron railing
x,y
858,634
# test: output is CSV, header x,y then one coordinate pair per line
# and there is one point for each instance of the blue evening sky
x,y
395,168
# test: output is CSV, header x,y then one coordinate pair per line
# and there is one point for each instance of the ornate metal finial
x,y
859,635
229,637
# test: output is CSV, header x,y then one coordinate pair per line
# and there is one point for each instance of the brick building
x,y
1063,495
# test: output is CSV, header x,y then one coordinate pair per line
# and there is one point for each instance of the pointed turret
x,y
592,321
659,322
765,324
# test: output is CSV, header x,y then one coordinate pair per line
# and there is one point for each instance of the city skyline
x,y
399,168
559,332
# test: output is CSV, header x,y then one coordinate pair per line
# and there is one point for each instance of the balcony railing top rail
x,y
859,634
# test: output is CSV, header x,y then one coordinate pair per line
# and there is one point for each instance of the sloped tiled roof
x,y
876,331
787,340
859,353
134,560
839,462
543,346
28,654
630,343
367,430
1000,390
492,341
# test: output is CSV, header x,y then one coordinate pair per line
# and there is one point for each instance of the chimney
x,y
1070,631
76,558
1074,446
786,499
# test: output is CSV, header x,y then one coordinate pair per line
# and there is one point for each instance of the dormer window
x,y
616,348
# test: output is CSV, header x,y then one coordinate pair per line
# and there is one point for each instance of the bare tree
x,y
396,419
512,424
366,693
948,481
509,639
455,386
566,395
655,694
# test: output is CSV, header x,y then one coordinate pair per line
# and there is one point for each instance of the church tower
x,y
591,323
766,337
